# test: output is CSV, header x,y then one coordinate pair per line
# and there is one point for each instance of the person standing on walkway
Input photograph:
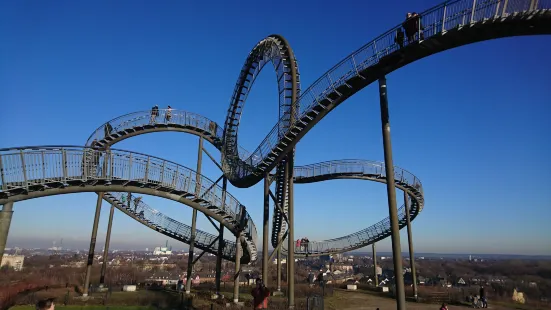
x,y
168,114
154,114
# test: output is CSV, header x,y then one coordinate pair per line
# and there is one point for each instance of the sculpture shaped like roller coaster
x,y
30,172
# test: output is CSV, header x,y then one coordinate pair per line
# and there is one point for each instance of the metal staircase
x,y
172,228
278,224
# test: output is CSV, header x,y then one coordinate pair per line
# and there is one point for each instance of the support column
x,y
391,195
220,242
265,231
291,235
5,222
279,266
92,245
237,268
194,216
375,265
106,248
410,243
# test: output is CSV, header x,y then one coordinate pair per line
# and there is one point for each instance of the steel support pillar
x,y
279,267
237,268
220,241
290,236
5,222
106,248
410,243
194,216
92,245
375,265
265,230
391,195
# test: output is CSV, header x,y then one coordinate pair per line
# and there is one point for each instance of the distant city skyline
x,y
84,244
471,123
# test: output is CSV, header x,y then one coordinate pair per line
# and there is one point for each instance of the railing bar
x,y
24,169
146,177
2,179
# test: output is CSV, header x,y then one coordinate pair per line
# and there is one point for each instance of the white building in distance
x,y
14,261
162,251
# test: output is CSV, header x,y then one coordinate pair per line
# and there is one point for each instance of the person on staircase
x,y
137,202
399,37
154,114
168,114
412,25
108,129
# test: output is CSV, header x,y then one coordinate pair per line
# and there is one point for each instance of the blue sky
x,y
472,123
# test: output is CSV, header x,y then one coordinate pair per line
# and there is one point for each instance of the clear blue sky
x,y
471,123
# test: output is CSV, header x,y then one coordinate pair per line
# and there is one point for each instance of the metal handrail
x,y
155,218
179,118
38,165
355,168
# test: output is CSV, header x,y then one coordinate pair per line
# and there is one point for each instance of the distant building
x,y
14,261
162,251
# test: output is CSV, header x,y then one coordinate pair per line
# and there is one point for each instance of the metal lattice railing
x,y
138,209
370,170
145,118
435,21
29,167
127,123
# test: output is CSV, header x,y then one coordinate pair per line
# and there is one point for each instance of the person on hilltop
x,y
482,294
45,304
260,295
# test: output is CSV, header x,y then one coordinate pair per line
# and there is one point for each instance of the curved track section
x,y
32,172
137,123
361,170
445,26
